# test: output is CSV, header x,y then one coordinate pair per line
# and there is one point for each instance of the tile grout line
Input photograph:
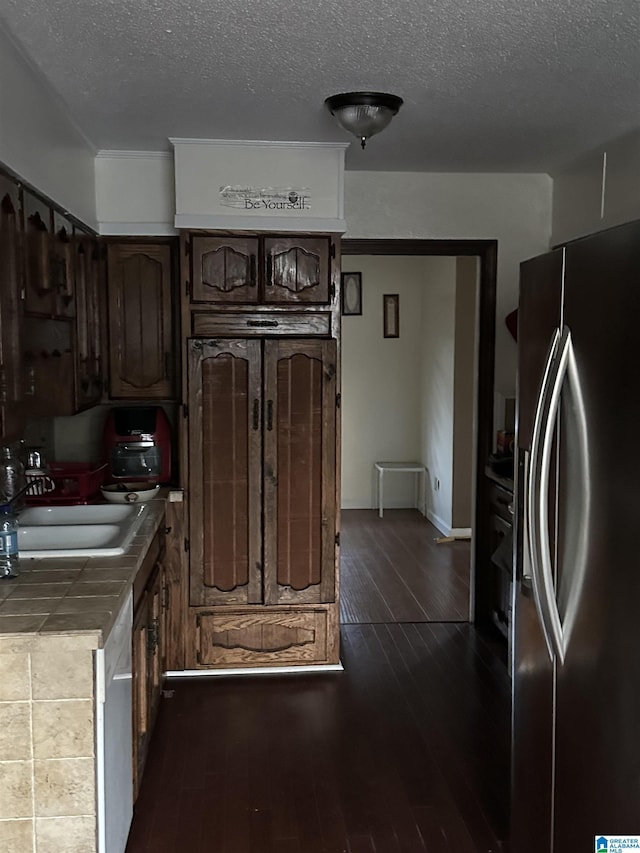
x,y
33,762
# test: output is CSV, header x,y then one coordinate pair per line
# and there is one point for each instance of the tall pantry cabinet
x,y
261,344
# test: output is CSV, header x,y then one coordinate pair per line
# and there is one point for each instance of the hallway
x,y
393,570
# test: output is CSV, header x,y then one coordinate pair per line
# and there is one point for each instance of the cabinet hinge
x,y
187,287
187,247
332,289
186,544
338,539
185,410
338,400
166,596
332,249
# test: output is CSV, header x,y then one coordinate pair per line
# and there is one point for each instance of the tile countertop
x,y
72,601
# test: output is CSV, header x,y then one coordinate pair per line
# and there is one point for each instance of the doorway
x,y
383,574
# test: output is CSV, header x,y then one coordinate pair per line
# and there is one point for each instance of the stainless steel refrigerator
x,y
576,662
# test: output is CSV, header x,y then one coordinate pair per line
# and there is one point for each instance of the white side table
x,y
406,467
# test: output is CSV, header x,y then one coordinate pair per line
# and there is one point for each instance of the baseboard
x,y
461,532
358,504
442,526
257,670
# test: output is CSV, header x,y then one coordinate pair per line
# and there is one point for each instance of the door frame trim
x,y
487,252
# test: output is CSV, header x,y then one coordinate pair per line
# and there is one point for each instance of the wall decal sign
x,y
285,199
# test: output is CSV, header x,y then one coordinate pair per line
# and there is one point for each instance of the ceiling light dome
x,y
363,113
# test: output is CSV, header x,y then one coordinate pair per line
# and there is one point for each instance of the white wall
x,y
513,209
135,192
380,381
38,139
437,356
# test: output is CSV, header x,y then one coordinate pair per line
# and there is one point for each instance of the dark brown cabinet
x,y
148,648
11,374
40,293
262,448
261,327
297,270
280,270
62,269
89,365
224,269
141,349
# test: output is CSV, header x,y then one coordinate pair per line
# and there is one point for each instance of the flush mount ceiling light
x,y
363,113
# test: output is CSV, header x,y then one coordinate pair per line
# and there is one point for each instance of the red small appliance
x,y
137,443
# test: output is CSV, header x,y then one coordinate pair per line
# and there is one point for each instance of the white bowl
x,y
128,493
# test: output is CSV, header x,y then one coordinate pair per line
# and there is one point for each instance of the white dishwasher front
x,y
114,766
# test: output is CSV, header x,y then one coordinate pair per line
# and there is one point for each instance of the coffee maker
x,y
137,443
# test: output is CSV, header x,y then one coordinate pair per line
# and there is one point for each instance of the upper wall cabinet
x,y
61,265
260,270
224,269
49,268
40,294
90,368
140,330
297,269
11,410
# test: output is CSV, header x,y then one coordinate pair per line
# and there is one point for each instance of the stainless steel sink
x,y
97,530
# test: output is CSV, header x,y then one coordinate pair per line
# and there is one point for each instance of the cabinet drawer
x,y
256,638
233,325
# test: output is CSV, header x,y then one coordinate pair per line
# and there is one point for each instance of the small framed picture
x,y
391,315
351,293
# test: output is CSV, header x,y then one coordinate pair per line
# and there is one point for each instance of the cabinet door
x,y
154,644
140,337
297,270
140,664
62,266
40,293
300,471
224,269
88,367
11,410
225,401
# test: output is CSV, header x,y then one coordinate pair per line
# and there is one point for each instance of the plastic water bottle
x,y
12,478
9,560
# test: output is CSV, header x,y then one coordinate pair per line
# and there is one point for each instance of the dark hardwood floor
x,y
406,751
392,570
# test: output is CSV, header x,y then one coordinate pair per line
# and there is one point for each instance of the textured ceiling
x,y
488,85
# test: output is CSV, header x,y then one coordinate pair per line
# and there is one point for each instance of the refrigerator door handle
x,y
538,491
526,579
